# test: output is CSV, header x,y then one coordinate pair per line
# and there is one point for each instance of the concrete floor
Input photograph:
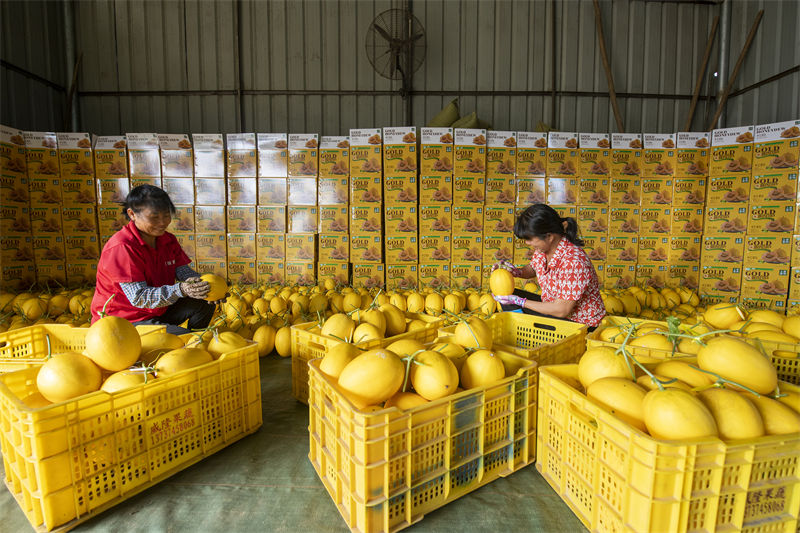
x,y
265,482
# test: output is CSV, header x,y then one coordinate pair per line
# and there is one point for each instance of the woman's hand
x,y
516,272
511,299
195,288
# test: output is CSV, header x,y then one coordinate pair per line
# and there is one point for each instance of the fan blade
x,y
418,37
382,32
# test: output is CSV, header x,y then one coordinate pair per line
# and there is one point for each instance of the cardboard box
x,y
17,276
501,191
12,152
399,152
400,190
436,189
81,248
687,221
75,157
80,191
271,219
241,155
302,191
241,218
501,154
76,220
713,299
626,155
596,247
792,307
765,281
269,272
466,248
210,219
725,219
468,220
470,151
795,250
177,160
270,247
778,186
497,248
136,182
209,155
144,157
334,158
777,147
684,275
242,191
366,190
273,155
775,217
369,275
401,249
620,275
436,276
45,248
563,191
469,189
794,283
109,220
338,272
522,252
334,218
436,152
366,155
562,210
562,154
212,266
366,219
274,191
731,151
186,240
625,191
182,220
768,250
210,191
729,189
774,303
44,191
303,157
593,191
717,280
81,273
41,154
112,191
241,246
211,247
302,219
660,155
401,277
685,249
180,190
300,273
600,271
593,219
693,153
623,220
531,154
53,273
366,248
656,192
622,249
656,220
334,247
595,154
531,191
653,249
434,249
498,220
14,189
301,247
688,192
20,248
465,275
242,272
333,191
401,220
651,275
16,220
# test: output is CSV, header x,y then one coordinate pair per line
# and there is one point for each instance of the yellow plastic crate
x,y
617,478
548,341
307,345
788,367
70,461
27,347
385,470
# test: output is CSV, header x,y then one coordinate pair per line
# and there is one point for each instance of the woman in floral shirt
x,y
570,289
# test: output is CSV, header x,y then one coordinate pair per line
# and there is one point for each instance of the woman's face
x,y
542,245
150,222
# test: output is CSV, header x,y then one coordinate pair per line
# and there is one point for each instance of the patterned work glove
x,y
516,272
511,299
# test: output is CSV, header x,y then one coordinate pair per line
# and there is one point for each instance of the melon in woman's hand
x,y
501,282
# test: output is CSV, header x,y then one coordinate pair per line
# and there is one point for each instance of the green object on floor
x,y
265,482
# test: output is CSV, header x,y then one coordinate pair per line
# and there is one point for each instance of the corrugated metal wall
x,y
199,60
32,40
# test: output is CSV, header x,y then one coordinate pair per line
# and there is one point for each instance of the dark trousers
x,y
536,298
198,312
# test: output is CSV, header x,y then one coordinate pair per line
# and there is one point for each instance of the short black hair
x,y
539,220
145,196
